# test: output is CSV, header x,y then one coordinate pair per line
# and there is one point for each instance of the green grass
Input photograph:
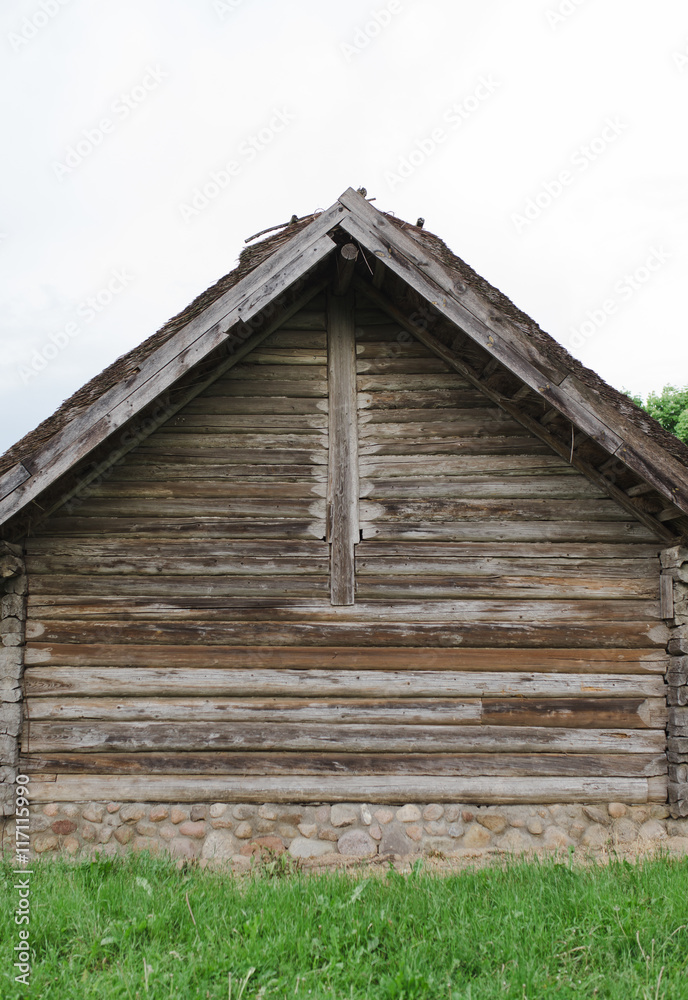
x,y
139,928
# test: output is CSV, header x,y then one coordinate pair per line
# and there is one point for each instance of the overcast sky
x,y
144,140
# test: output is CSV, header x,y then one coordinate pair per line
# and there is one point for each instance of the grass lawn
x,y
139,928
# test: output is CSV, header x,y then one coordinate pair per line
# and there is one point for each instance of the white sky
x,y
204,76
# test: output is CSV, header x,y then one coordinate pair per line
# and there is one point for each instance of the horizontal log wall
x,y
505,644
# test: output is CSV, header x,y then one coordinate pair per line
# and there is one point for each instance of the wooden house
x,y
349,529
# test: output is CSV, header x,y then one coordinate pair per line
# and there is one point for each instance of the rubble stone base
x,y
233,833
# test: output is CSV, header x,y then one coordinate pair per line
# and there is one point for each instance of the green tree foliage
x,y
669,407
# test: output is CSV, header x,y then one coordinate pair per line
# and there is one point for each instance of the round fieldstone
x,y
63,827
396,842
433,812
534,826
476,836
455,830
113,807
616,810
366,816
436,829
554,837
595,836
303,847
104,834
145,829
261,846
625,831
263,825
123,834
357,844
327,834
70,810
70,845
243,831
196,830
222,823
408,814
149,844
89,832
158,814
94,813
308,829
219,846
452,813
51,809
375,832
513,841
494,822
342,814
198,812
383,816
40,823
244,811
287,831
132,813
414,831
219,809
44,842
167,831
178,814
182,847
677,828
268,811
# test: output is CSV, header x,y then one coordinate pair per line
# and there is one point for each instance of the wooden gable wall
x,y
505,641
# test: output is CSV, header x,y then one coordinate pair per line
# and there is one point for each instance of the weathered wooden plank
x,y
300,339
241,458
481,510
207,489
14,477
391,365
487,486
306,319
167,441
343,788
232,477
389,712
343,532
208,527
314,584
379,419
409,383
237,406
459,397
611,560
469,445
88,737
460,465
454,765
246,423
300,356
578,713
185,681
388,342
249,372
302,388
480,423
260,507
505,531
386,582
497,635
76,654
441,613
666,596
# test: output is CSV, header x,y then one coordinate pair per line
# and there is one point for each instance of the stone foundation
x,y
233,833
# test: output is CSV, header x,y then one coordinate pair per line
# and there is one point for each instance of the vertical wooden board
x,y
343,452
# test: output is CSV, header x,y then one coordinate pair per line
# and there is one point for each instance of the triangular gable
x,y
449,291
